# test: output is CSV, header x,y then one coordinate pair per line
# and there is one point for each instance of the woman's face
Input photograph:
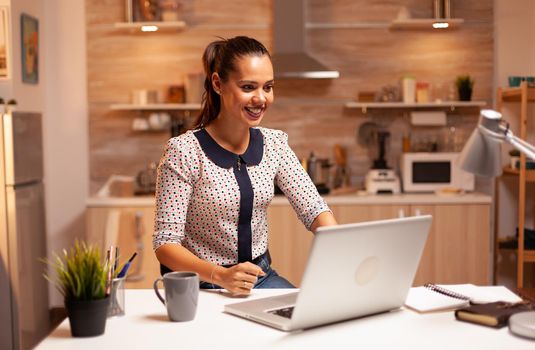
x,y
248,92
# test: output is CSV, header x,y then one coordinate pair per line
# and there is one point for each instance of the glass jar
x,y
170,10
422,92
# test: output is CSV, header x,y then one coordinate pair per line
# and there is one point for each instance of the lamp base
x,y
523,324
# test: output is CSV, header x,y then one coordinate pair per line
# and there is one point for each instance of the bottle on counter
x,y
422,92
311,166
407,143
408,87
177,127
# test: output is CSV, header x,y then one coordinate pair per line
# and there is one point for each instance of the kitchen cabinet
x,y
290,242
130,228
522,95
457,249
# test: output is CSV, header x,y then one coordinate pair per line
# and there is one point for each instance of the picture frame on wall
x,y
29,37
4,43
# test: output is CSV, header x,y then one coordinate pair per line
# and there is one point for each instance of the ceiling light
x,y
440,25
149,28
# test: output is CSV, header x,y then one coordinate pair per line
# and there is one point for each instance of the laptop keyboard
x,y
284,312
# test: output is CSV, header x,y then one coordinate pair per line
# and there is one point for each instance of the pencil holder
x,y
117,297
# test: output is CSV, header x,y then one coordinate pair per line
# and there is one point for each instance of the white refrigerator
x,y
24,309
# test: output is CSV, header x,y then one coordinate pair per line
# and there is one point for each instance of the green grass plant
x,y
464,82
80,272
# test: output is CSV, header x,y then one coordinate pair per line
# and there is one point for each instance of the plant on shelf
x,y
465,85
81,277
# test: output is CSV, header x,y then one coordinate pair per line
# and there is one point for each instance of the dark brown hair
x,y
220,57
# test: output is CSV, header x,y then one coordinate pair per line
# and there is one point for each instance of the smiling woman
x,y
216,182
236,71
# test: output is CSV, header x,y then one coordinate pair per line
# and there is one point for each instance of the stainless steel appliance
x,y
24,310
290,59
318,170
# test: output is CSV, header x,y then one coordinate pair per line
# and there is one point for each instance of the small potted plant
x,y
81,277
465,85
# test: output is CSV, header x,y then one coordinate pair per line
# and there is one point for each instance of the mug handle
x,y
155,286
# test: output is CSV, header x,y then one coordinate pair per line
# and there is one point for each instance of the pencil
x,y
108,278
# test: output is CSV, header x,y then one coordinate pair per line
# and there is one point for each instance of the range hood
x,y
290,59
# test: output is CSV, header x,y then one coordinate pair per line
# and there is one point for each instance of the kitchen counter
x,y
406,198
460,232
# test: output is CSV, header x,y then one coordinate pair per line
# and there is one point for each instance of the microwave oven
x,y
429,172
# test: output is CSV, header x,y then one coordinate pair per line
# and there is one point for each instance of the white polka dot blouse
x,y
214,202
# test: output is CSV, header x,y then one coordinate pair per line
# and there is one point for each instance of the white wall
x,y
514,43
66,124
514,55
61,96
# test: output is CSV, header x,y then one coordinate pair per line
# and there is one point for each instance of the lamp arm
x,y
521,145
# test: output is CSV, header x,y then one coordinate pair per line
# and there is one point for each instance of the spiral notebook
x,y
433,298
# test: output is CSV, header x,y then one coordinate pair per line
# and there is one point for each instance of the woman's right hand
x,y
238,279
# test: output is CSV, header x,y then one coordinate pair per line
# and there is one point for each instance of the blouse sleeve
x,y
173,192
295,183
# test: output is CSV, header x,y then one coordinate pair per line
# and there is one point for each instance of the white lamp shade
x,y
481,155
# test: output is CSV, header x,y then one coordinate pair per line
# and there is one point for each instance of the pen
x,y
116,259
109,260
126,266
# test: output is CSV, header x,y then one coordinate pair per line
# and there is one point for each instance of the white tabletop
x,y
146,325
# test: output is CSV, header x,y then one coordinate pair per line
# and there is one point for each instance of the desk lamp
x,y
481,156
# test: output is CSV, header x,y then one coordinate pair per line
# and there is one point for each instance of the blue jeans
x,y
271,279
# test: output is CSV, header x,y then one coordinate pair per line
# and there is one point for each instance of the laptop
x,y
352,271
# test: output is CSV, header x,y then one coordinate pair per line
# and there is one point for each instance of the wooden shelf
x,y
156,107
426,23
529,254
159,26
514,94
521,95
530,174
364,106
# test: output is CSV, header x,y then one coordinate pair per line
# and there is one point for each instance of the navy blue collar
x,y
226,159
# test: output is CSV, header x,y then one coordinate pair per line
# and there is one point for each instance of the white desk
x,y
145,326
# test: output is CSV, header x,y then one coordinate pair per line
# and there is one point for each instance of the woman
x,y
216,182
